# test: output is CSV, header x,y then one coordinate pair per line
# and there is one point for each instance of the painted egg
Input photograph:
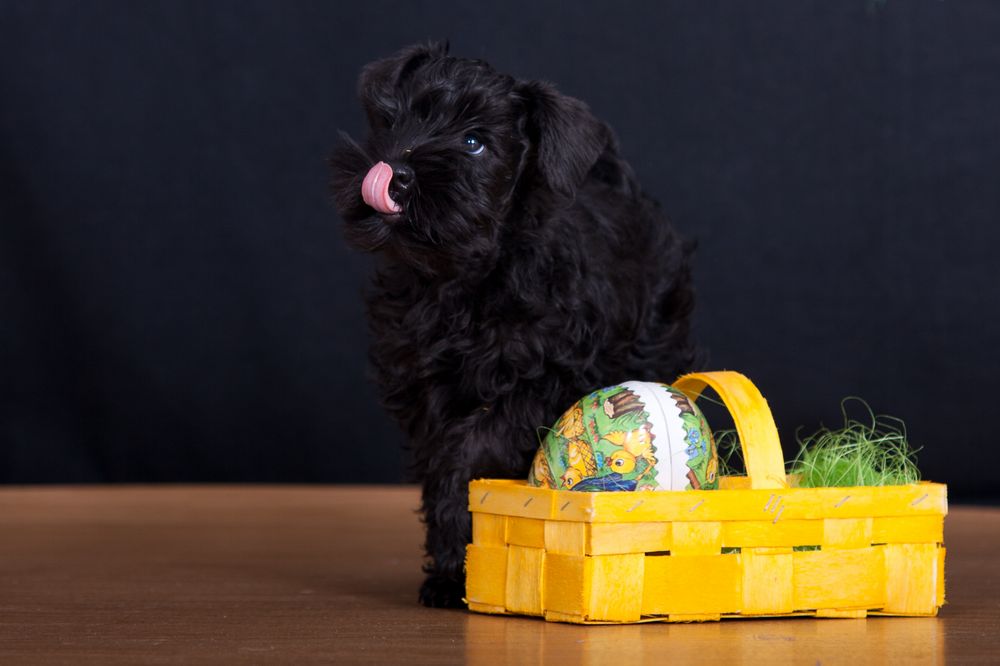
x,y
631,436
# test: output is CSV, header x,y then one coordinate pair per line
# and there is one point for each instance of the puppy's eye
x,y
473,145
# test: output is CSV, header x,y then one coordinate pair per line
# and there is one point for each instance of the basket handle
x,y
754,424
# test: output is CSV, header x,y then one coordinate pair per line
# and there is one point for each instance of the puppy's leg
x,y
449,529
484,445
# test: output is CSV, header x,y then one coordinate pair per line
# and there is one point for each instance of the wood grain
x,y
175,574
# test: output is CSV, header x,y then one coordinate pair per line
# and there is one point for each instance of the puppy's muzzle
x,y
387,186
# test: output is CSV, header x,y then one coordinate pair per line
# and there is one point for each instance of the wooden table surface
x,y
238,574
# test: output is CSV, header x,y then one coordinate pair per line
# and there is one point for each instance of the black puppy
x,y
521,267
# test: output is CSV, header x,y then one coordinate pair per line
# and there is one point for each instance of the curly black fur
x,y
511,283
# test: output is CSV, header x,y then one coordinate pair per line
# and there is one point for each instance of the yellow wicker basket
x,y
757,546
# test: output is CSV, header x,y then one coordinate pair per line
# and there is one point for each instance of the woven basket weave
x,y
757,546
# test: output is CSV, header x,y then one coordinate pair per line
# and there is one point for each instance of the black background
x,y
176,303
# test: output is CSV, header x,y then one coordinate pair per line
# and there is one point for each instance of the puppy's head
x,y
455,153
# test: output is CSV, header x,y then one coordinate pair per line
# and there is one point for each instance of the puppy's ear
x,y
568,139
380,79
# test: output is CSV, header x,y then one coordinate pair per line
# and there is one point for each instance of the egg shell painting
x,y
631,436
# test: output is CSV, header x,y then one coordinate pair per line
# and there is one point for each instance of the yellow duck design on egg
x,y
570,424
621,461
541,473
635,444
581,462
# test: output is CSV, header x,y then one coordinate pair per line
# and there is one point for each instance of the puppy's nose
x,y
402,181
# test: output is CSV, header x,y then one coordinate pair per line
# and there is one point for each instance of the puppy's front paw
x,y
441,592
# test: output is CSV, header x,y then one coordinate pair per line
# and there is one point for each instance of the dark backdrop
x,y
176,303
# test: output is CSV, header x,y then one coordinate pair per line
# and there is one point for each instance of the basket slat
x,y
767,581
489,529
616,588
566,537
839,579
847,532
486,575
770,534
702,538
526,532
567,589
908,529
619,538
523,592
912,573
692,585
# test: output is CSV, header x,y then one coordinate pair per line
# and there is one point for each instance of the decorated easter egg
x,y
631,436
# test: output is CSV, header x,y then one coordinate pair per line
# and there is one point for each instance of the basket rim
x,y
514,497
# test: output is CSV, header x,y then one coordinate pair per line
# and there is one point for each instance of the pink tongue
x,y
375,189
